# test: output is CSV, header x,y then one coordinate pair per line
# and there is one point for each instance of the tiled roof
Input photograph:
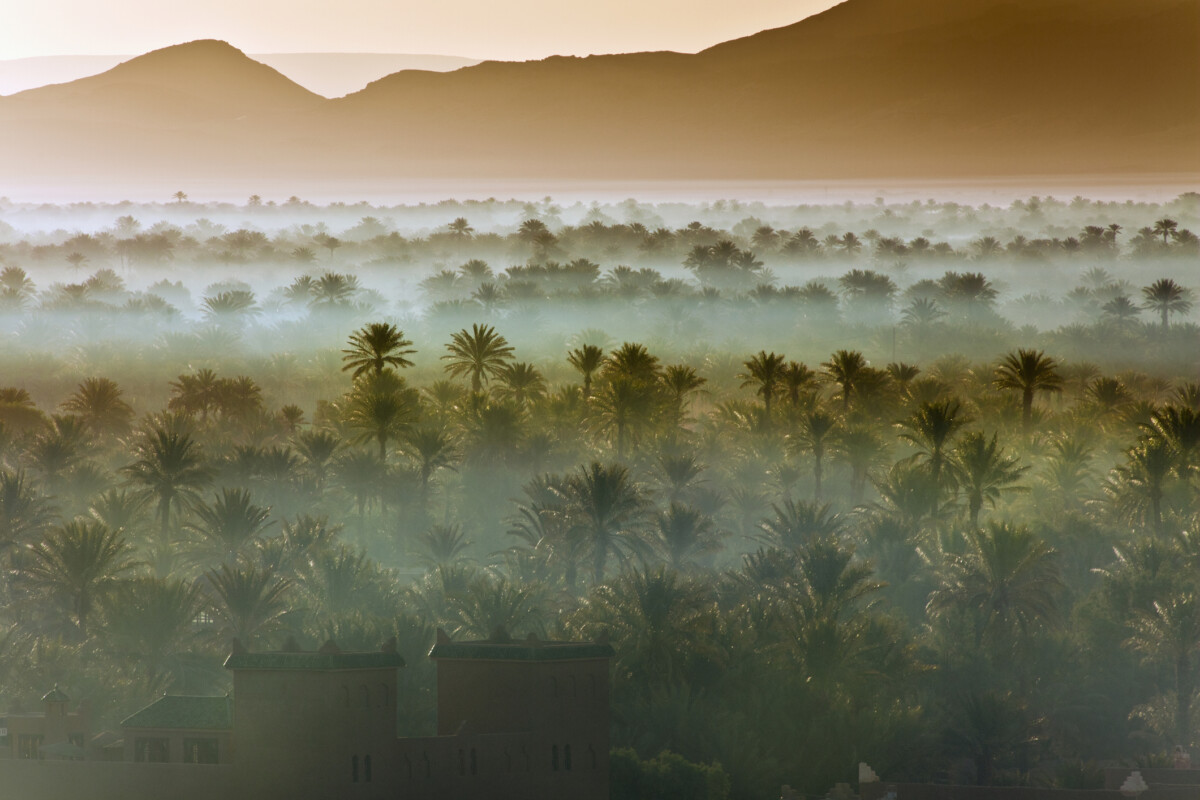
x,y
326,662
55,695
180,711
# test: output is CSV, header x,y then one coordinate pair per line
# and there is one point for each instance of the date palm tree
x,y
249,604
1007,580
764,371
1166,297
931,428
685,537
522,383
982,470
480,353
606,509
844,368
170,468
375,347
228,527
382,408
796,524
815,433
77,563
150,625
1169,634
97,401
1165,227
587,359
1029,372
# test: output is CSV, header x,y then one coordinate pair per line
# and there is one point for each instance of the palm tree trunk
x,y
817,475
1027,410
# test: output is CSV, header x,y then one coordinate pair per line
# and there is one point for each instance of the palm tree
x,y
1028,371
24,511
930,429
317,449
1137,487
522,383
684,537
150,625
382,408
1007,578
624,408
375,347
797,379
815,434
248,603
1165,227
680,380
765,371
97,401
170,467
983,471
228,527
432,449
1166,297
1170,634
844,369
605,508
480,353
659,622
78,562
587,359
796,524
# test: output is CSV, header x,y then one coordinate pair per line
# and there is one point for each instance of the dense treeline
x,y
912,534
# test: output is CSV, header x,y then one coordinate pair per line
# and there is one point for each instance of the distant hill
x,y
327,74
868,89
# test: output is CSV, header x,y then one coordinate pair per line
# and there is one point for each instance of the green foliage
x,y
667,776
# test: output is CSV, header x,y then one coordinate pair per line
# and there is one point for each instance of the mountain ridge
x,y
866,89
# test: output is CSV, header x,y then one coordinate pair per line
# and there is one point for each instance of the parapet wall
x,y
930,791
22,779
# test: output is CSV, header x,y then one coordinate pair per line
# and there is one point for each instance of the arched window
x,y
566,758
554,757
366,696
367,768
474,762
428,765
354,769
408,767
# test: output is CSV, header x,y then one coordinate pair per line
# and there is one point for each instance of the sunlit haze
x,y
508,30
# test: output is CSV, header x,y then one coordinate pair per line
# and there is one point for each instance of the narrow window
x,y
367,768
408,767
462,763
428,765
554,758
354,769
474,762
567,756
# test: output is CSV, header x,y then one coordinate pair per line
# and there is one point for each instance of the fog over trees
x,y
914,483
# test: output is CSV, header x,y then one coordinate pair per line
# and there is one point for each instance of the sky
x,y
487,29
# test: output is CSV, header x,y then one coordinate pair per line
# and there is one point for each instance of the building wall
x,y
175,742
101,780
298,730
56,725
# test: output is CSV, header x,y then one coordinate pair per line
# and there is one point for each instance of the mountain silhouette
x,y
867,89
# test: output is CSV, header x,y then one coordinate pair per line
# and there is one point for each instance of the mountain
x,y
327,74
873,89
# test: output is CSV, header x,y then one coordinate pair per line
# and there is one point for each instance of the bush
x,y
669,776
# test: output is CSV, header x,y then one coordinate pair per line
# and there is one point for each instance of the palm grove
x,y
977,564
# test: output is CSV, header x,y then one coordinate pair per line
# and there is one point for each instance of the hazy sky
x,y
499,29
